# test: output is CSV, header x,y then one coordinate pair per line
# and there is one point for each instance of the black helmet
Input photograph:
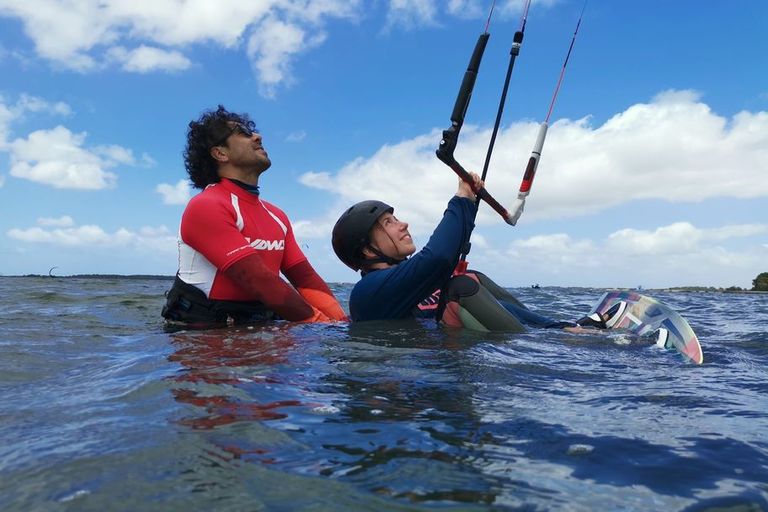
x,y
352,231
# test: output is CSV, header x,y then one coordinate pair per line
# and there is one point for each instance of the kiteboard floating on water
x,y
645,315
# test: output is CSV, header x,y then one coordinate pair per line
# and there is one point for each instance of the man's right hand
x,y
265,286
318,317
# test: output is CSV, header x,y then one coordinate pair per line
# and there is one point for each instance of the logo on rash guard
x,y
430,302
268,245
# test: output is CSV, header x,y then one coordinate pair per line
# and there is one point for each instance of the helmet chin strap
x,y
382,258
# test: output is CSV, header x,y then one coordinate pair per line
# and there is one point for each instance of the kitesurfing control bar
x,y
451,135
468,83
481,192
530,173
533,161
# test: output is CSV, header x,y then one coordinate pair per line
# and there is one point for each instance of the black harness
x,y
188,304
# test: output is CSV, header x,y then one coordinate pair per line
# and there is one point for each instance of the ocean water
x,y
102,410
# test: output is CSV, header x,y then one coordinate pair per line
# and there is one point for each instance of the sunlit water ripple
x,y
103,410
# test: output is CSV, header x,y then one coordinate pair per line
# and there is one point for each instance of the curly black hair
x,y
203,134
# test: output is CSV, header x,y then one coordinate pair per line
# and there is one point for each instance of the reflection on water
x,y
216,363
382,414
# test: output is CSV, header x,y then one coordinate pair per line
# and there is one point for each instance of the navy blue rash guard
x,y
392,293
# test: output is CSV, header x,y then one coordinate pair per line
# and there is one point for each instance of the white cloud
x,y
62,30
415,13
737,231
28,103
64,221
371,179
480,241
320,180
142,37
554,251
93,236
412,13
674,255
175,194
514,8
58,158
673,148
296,136
146,59
116,154
270,47
147,161
306,229
10,112
174,23
680,237
5,120
465,8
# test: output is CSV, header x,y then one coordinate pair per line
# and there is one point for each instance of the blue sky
x,y
654,172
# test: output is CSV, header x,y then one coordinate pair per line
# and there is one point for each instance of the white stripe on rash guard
x,y
241,223
236,206
199,272
285,229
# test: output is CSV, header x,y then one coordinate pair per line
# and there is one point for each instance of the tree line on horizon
x,y
760,283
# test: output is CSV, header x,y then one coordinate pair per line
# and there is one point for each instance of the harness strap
x,y
187,303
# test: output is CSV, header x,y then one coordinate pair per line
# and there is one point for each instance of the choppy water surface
x,y
103,410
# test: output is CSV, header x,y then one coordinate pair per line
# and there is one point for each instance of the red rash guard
x,y
233,245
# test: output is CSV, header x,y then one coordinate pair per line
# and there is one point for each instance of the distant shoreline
x,y
694,289
99,276
689,289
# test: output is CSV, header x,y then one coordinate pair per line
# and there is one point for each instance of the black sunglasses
x,y
237,128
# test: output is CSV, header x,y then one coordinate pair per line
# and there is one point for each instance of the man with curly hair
x,y
232,244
